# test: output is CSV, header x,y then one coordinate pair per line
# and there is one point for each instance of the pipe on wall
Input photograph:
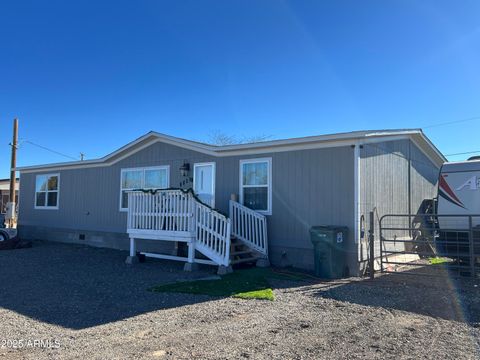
x,y
356,191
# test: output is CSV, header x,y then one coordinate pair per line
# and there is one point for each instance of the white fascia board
x,y
84,163
313,142
105,161
437,152
434,155
357,135
387,133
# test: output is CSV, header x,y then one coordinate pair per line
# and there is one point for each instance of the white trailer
x,y
459,194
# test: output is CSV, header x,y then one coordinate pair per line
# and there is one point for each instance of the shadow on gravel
x,y
439,296
77,287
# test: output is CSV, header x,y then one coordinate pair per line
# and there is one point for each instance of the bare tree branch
x,y
220,138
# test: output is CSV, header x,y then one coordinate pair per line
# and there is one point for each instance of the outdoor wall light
x,y
184,169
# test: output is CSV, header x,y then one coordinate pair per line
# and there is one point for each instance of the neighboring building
x,y
5,193
296,183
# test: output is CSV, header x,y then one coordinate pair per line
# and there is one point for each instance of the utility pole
x,y
13,165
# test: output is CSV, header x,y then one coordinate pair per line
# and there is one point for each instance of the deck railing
x,y
169,210
212,234
249,226
179,212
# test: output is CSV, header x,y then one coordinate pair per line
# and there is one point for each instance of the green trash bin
x,y
330,251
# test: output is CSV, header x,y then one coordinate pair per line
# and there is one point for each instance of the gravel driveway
x,y
86,303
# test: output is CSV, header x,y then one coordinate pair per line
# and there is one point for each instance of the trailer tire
x,y
3,236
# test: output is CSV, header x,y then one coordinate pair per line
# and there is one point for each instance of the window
x,y
142,178
256,184
46,191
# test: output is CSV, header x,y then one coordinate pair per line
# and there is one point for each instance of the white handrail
x,y
212,234
249,226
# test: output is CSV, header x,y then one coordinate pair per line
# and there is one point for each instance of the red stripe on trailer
x,y
446,188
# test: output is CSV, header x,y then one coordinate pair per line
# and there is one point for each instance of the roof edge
x,y
237,148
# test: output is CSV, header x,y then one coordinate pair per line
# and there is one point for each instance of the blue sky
x,y
90,76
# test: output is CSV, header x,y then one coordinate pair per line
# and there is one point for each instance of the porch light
x,y
184,169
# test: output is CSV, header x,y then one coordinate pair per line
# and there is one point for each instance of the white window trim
x,y
214,174
269,182
143,169
46,193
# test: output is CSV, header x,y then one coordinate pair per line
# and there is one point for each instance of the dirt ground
x,y
62,301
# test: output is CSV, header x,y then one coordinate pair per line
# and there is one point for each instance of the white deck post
x,y
191,251
191,265
133,249
132,259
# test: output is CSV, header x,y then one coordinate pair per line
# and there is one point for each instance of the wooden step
x,y
238,246
243,260
241,252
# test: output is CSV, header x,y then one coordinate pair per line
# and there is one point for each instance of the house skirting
x,y
103,239
281,256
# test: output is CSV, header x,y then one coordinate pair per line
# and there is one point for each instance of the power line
x,y
452,122
48,149
464,153
456,122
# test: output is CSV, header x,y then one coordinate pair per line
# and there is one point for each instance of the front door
x,y
204,182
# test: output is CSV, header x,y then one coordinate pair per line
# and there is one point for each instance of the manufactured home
x,y
265,195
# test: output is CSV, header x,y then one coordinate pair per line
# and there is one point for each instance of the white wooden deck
x,y
176,215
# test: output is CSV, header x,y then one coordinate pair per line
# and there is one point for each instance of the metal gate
x,y
427,244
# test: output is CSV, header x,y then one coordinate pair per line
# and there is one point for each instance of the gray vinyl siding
x,y
424,179
395,178
309,187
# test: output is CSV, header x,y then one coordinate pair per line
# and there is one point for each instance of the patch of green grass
x,y
266,294
437,260
246,284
